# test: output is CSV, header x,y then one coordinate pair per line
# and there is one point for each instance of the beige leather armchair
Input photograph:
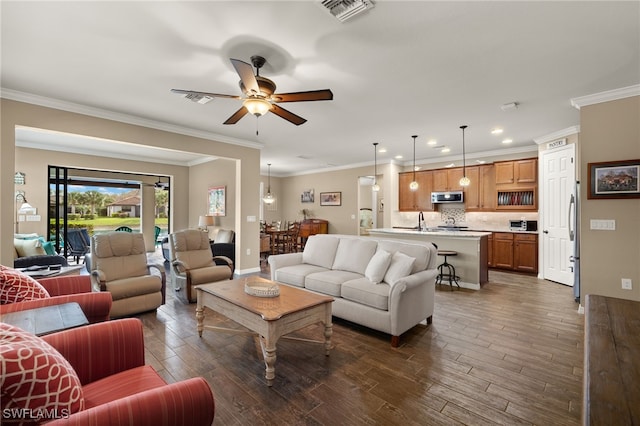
x,y
119,266
192,262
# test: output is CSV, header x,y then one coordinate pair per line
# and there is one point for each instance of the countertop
x,y
414,232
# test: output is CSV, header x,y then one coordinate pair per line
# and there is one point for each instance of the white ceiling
x,y
402,68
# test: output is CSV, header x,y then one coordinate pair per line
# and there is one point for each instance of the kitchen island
x,y
471,263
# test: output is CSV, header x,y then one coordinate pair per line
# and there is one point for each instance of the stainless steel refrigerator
x,y
574,235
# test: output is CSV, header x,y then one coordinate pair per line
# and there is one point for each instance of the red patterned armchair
x,y
96,306
105,379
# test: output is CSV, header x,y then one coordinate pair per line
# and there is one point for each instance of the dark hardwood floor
x,y
511,353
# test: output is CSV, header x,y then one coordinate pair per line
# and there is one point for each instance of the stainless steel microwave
x,y
447,197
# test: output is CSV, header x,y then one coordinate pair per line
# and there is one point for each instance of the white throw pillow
x,y
378,266
354,254
400,267
28,247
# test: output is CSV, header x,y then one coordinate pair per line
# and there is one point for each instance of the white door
x,y
558,179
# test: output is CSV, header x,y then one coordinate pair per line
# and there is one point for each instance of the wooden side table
x,y
48,319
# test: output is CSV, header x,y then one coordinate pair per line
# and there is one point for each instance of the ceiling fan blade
x,y
192,94
288,115
236,116
245,71
311,95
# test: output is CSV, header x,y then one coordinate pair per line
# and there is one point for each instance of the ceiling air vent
x,y
346,9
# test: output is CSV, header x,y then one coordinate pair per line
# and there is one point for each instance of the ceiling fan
x,y
258,94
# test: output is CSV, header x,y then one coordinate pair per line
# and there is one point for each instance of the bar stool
x,y
450,269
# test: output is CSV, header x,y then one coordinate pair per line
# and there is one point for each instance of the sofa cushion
x,y
329,282
378,266
354,254
420,253
135,286
121,385
36,377
320,250
18,287
400,267
363,291
28,247
296,274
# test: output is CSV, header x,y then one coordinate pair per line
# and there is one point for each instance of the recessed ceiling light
x,y
382,150
506,141
445,150
450,165
496,131
398,157
480,161
432,142
416,168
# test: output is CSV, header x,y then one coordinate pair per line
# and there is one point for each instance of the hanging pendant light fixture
x,y
464,180
413,186
269,198
375,187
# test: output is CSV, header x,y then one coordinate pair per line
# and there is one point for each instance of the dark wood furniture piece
x,y
611,354
49,319
309,227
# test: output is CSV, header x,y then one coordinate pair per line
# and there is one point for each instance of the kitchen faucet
x,y
421,225
450,221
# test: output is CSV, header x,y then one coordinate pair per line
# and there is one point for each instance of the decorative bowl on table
x,y
261,289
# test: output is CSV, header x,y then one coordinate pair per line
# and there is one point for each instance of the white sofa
x,y
386,285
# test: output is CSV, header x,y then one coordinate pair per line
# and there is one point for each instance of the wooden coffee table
x,y
268,317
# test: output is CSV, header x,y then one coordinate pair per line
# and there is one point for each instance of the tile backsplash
x,y
490,221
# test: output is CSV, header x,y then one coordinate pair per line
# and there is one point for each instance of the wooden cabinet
x,y
525,253
503,250
447,179
480,194
490,251
514,252
516,185
310,227
415,201
517,172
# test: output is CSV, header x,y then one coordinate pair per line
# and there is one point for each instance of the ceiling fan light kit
x,y
258,94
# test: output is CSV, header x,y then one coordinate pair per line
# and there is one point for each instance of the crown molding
x,y
609,95
573,130
30,98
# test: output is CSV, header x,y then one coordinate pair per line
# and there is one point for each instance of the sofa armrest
x,y
72,284
99,280
95,306
278,261
100,350
410,297
189,403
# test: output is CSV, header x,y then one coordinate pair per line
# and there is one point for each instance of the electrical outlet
x,y
626,284
248,252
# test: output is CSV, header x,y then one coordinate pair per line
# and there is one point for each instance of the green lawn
x,y
111,223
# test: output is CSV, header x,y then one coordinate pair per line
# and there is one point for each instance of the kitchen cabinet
x,y
516,185
415,201
490,251
503,250
514,252
525,253
480,194
517,172
447,179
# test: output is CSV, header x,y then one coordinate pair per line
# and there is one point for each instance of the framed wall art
x,y
331,198
217,201
614,179
307,196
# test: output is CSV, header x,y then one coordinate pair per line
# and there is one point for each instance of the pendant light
x,y
375,187
464,180
269,198
413,186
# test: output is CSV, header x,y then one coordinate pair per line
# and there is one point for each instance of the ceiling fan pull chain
x,y
257,134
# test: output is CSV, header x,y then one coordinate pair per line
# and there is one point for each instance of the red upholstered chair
x,y
118,388
66,289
